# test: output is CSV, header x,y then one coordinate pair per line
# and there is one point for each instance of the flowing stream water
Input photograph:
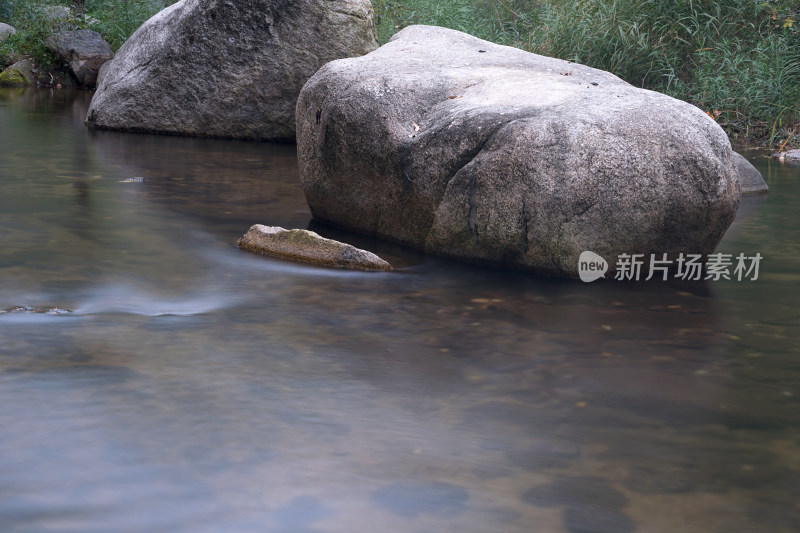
x,y
155,378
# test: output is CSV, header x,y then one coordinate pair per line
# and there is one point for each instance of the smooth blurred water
x,y
195,387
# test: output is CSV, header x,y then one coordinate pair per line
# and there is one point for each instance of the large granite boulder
x,y
490,154
227,69
6,30
750,179
85,51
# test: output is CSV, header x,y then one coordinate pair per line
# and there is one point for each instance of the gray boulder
x,y
308,247
20,74
58,18
227,69
490,154
56,13
750,179
6,30
85,51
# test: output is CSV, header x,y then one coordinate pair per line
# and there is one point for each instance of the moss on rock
x,y
13,77
17,75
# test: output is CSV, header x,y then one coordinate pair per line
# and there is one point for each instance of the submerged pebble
x,y
412,498
38,310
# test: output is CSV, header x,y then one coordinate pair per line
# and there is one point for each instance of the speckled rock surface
x,y
57,15
215,68
308,247
750,179
6,30
490,154
85,51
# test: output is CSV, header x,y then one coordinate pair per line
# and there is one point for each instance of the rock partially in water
x,y
210,68
750,179
85,51
790,156
6,30
20,74
486,153
308,247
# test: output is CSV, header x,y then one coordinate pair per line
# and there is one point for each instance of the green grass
x,y
739,60
32,27
118,19
115,20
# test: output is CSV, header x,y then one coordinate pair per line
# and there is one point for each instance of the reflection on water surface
x,y
194,387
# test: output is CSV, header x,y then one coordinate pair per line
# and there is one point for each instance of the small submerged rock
x,y
413,498
309,247
36,310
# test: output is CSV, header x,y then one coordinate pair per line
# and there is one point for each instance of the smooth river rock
x,y
750,179
490,154
227,69
6,30
85,51
308,247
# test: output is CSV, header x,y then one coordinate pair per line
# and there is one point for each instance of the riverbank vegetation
x,y
35,20
739,60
